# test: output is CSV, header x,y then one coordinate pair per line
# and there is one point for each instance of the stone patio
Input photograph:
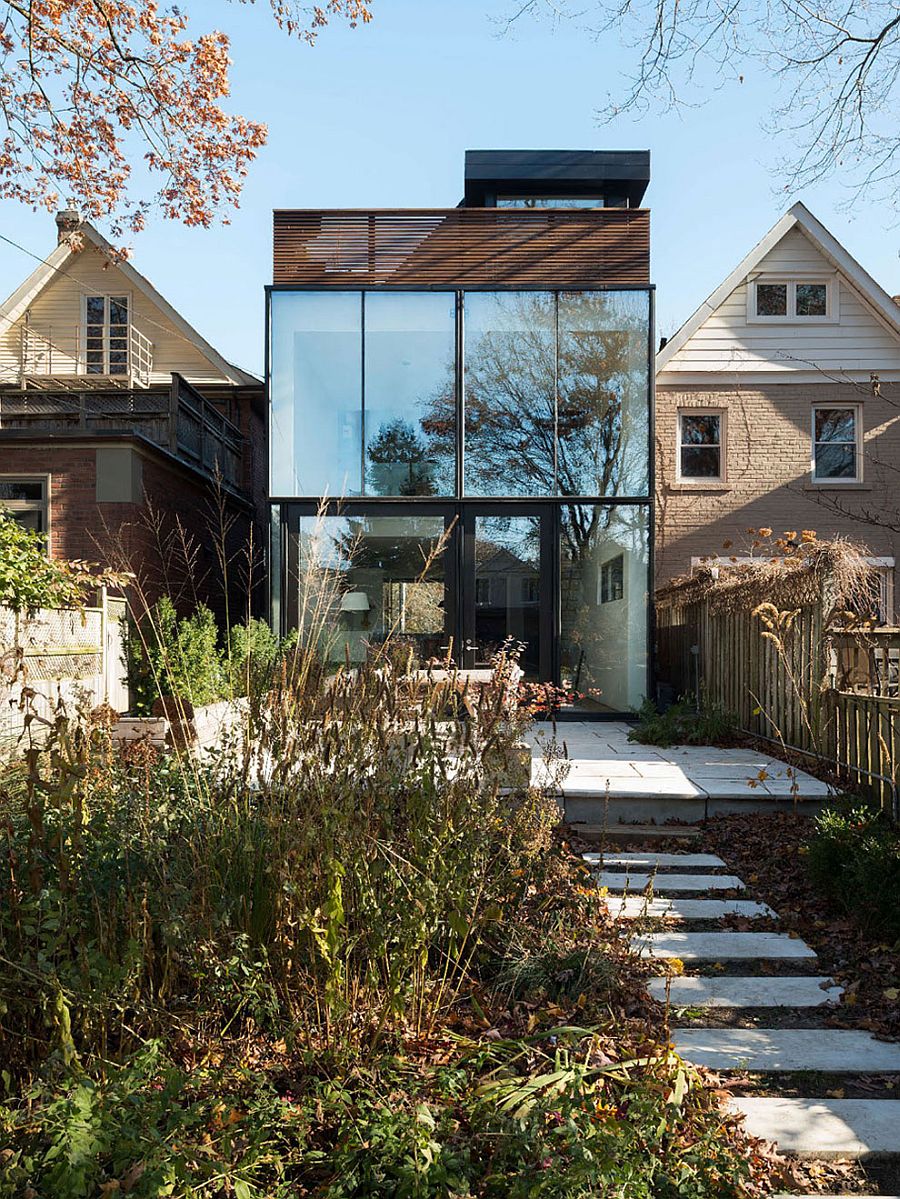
x,y
612,779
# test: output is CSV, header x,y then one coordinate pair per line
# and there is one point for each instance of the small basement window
x,y
700,444
837,444
27,500
791,300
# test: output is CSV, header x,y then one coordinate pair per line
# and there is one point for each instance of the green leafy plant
x,y
30,580
682,724
854,858
171,656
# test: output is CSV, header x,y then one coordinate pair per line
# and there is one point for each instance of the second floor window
x,y
791,300
106,326
612,580
700,445
837,444
26,499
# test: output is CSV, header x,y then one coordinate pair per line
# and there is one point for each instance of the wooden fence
x,y
812,688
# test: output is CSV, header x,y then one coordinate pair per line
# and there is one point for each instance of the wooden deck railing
x,y
177,418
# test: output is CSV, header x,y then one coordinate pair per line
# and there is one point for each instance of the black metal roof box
x,y
616,174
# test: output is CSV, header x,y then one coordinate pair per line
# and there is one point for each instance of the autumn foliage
x,y
91,88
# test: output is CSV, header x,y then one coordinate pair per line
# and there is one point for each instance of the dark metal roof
x,y
462,247
555,172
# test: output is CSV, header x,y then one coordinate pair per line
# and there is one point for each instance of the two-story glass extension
x,y
460,426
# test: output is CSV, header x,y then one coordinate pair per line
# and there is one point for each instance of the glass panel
x,y
362,579
410,394
834,461
702,429
551,202
118,310
604,555
836,424
28,518
812,299
700,462
316,388
21,489
508,588
771,299
510,376
603,419
95,310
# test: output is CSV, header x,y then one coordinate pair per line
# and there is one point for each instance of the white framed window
x,y
105,325
612,580
836,443
800,300
701,445
27,498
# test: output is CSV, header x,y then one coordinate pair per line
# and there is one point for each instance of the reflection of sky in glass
x,y
409,370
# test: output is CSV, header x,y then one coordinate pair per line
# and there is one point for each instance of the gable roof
x,y
56,263
826,243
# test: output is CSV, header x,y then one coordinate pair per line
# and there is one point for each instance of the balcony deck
x,y
65,359
177,419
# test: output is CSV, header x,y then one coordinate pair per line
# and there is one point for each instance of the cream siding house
x,y
778,404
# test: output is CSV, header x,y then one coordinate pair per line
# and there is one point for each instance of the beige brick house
x,y
778,404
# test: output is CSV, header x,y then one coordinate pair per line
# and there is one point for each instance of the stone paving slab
x,y
633,907
628,881
833,1050
756,992
690,861
824,1128
721,947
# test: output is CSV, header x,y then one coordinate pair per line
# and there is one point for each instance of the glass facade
x,y
487,458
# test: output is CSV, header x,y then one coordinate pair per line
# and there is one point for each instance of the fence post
x,y
104,643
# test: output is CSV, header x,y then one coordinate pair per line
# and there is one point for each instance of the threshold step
x,y
721,947
824,1128
627,833
776,992
635,907
832,1050
655,861
636,882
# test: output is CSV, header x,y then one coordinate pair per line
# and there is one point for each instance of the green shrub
x,y
682,724
854,858
170,656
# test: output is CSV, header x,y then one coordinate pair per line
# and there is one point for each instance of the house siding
x,y
856,345
56,313
767,463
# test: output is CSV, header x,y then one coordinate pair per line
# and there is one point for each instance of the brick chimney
x,y
67,222
896,299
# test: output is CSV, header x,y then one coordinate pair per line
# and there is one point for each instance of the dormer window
x,y
794,300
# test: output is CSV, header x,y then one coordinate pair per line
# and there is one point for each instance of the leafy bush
x,y
30,580
253,654
171,656
682,724
854,858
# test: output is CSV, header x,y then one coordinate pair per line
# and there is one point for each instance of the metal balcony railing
x,y
122,356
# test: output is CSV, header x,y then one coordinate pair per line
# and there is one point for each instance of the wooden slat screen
x,y
463,247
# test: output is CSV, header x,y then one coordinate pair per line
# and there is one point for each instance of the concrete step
x,y
655,861
779,991
590,806
634,882
636,907
832,1050
629,834
721,947
824,1128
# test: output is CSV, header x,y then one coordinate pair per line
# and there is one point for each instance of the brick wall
x,y
767,483
169,538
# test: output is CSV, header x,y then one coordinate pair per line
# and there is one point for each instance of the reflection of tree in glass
x,y
400,462
512,374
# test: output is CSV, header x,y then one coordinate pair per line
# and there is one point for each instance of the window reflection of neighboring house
x,y
506,581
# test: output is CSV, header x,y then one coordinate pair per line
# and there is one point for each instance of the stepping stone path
x,y
808,1128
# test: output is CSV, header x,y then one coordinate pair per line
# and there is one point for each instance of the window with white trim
x,y
792,300
701,444
26,498
106,329
836,443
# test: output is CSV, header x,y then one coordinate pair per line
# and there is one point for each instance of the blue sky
x,y
382,116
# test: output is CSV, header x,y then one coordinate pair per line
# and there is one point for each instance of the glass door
x,y
507,585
